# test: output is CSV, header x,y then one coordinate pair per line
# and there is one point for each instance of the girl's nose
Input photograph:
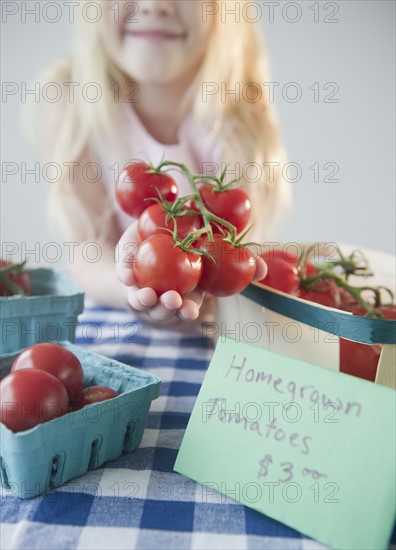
x,y
157,7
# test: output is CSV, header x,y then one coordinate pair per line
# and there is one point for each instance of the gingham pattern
x,y
138,501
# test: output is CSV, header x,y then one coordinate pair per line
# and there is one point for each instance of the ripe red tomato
x,y
31,397
359,359
325,292
16,276
93,394
230,271
163,266
282,272
58,361
136,183
389,311
153,219
310,269
347,301
283,275
233,205
276,254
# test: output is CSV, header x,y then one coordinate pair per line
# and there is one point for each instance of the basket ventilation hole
x,y
128,437
56,469
3,475
93,459
54,466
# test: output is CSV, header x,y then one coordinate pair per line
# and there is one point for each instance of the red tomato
x,y
310,270
359,359
153,219
389,312
136,183
56,360
276,254
16,276
325,292
163,266
233,205
347,301
282,272
283,275
31,397
230,271
93,394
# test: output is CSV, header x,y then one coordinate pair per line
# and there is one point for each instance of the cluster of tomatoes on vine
x,y
196,241
187,242
14,279
327,283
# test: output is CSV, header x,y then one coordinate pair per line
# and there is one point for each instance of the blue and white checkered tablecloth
x,y
138,501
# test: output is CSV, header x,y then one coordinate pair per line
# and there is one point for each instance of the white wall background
x,y
353,56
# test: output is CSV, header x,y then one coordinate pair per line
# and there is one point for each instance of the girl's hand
x,y
169,305
163,308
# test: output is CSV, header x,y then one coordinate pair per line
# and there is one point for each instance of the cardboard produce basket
x,y
309,331
54,452
49,314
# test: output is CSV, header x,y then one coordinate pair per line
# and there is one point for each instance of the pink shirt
x,y
196,149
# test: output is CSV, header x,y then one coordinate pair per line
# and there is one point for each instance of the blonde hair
x,y
249,130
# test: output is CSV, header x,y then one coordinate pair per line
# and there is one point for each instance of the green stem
x,y
12,267
13,287
354,291
354,264
206,214
193,237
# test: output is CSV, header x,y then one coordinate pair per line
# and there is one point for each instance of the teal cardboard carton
x,y
52,453
49,314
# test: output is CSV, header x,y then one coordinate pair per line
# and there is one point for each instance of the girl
x,y
162,72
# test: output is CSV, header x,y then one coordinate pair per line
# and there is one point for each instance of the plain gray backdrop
x,y
340,134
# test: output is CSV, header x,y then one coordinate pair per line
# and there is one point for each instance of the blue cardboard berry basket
x,y
49,314
50,454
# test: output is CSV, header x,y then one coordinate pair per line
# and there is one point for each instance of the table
x,y
138,501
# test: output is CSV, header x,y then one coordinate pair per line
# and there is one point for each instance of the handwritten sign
x,y
309,447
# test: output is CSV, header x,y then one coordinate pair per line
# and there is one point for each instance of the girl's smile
x,y
163,43
155,35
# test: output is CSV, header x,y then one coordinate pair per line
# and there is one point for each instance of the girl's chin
x,y
154,40
152,80
146,74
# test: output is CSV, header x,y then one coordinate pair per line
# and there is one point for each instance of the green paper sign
x,y
309,447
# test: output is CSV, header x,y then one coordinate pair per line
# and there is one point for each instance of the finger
x,y
142,299
166,308
171,300
126,248
189,311
261,270
196,296
191,305
126,276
